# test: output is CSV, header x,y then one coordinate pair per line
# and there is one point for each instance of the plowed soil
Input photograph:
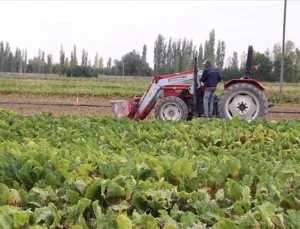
x,y
83,110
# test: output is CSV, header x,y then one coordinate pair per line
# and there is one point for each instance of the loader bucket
x,y
120,108
125,108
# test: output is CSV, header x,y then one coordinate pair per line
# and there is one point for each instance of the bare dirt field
x,y
56,110
107,111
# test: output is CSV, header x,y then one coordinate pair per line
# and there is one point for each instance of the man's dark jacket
x,y
211,78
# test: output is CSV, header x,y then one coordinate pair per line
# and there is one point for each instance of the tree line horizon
x,y
170,56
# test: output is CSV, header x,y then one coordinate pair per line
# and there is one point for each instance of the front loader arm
x,y
150,97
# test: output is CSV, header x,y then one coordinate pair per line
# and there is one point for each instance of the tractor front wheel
x,y
171,108
244,100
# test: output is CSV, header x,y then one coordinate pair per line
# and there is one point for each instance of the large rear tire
x,y
244,100
171,108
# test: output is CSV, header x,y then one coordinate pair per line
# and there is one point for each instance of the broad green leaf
x,y
99,215
188,219
182,167
84,169
73,196
170,227
20,219
104,221
124,222
234,190
278,220
37,227
49,215
77,227
266,210
220,194
43,194
83,204
121,206
130,184
30,172
3,124
291,219
63,166
11,217
234,166
81,186
225,224
148,222
115,191
93,189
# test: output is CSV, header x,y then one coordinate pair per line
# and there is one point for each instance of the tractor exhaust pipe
x,y
248,72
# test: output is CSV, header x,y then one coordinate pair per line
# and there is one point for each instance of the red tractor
x,y
183,100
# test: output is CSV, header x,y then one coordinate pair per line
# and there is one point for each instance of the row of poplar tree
x,y
170,56
132,63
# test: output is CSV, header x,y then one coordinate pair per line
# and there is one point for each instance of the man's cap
x,y
206,62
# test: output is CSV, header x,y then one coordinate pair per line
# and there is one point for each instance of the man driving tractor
x,y
210,78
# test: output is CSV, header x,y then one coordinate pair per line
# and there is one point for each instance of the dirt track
x,y
82,111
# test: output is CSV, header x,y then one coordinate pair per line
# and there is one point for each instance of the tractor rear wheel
x,y
171,108
244,100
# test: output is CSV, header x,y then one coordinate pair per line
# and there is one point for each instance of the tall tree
x,y
133,63
67,62
243,61
289,48
206,51
74,60
62,57
211,47
84,58
264,72
38,62
297,64
267,53
235,60
200,55
288,75
159,55
43,63
195,52
1,56
189,57
22,62
184,56
17,60
276,50
220,55
144,54
109,62
96,61
170,57
25,61
177,54
49,64
100,64
7,66
10,62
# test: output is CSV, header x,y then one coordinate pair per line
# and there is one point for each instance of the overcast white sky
x,y
114,28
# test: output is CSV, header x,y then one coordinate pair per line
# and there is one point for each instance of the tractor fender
x,y
250,81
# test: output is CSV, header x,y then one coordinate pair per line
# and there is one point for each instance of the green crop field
x,y
100,172
106,87
111,87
